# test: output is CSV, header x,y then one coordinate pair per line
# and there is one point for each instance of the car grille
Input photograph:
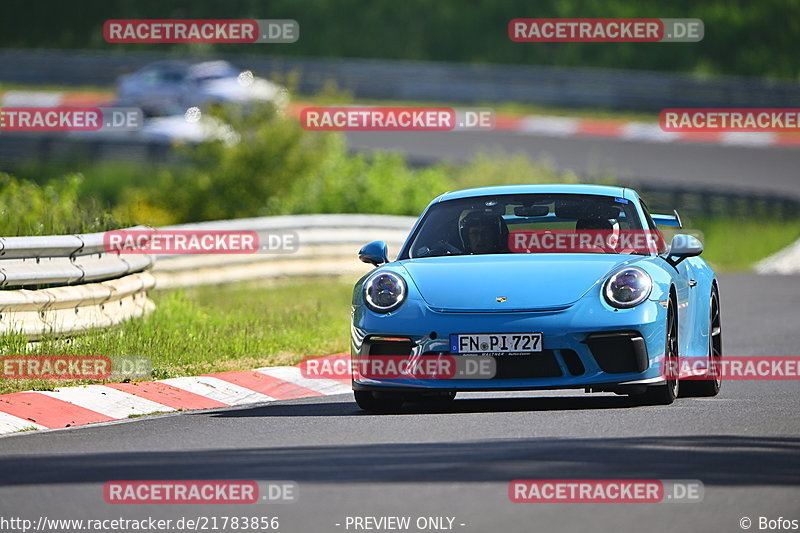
x,y
619,352
573,362
539,365
542,364
380,347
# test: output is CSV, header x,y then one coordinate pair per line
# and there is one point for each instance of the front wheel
x,y
666,394
709,387
379,402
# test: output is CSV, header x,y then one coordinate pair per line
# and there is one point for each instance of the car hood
x,y
528,282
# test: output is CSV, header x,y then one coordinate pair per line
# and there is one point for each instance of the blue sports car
x,y
532,287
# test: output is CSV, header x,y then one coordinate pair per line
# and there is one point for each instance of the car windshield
x,y
165,72
531,223
212,70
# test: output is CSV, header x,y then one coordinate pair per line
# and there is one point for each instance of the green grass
x,y
53,208
26,429
737,244
150,414
213,329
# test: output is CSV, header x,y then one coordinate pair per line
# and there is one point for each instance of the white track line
x,y
748,138
106,401
218,389
293,374
644,131
31,99
555,126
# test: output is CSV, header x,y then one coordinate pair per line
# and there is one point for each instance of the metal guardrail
x,y
328,246
69,309
425,80
704,202
65,284
63,260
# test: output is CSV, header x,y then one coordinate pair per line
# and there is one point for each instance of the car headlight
x,y
384,291
628,287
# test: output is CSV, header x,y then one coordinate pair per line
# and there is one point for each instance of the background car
x,y
171,87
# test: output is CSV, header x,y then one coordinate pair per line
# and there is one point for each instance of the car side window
x,y
149,77
651,225
650,222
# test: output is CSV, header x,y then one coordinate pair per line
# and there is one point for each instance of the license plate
x,y
496,343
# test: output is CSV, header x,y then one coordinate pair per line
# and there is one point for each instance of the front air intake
x,y
619,352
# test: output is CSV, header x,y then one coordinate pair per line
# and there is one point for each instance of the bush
x,y
257,162
27,208
271,166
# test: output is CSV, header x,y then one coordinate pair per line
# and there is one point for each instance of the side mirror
x,y
683,246
375,253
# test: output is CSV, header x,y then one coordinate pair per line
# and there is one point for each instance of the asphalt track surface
x,y
744,445
766,169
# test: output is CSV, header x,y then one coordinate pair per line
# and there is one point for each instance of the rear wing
x,y
673,220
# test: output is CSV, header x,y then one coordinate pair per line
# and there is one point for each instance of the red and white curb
x,y
87,404
635,131
541,125
55,98
556,126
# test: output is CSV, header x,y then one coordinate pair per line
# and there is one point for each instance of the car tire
x,y
709,387
665,394
379,402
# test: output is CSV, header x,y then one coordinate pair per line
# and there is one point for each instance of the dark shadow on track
x,y
471,405
714,459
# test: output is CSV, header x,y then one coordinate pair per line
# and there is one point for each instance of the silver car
x,y
172,87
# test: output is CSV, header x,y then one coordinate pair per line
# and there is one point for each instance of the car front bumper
x,y
588,345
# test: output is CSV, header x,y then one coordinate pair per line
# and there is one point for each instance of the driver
x,y
606,229
483,233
